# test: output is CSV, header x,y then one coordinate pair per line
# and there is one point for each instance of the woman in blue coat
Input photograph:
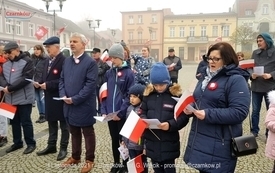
x,y
222,99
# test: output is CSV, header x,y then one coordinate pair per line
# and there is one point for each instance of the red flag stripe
x,y
8,107
138,130
186,102
139,164
249,65
103,94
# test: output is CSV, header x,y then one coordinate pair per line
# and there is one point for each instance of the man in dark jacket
x,y
54,108
261,84
20,93
78,89
173,64
102,68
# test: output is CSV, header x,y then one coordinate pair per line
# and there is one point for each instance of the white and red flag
x,y
61,30
133,127
183,103
249,63
103,92
219,39
41,32
135,165
7,110
105,58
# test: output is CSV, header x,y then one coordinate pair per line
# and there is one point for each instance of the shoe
x,y
13,148
114,169
87,167
61,155
71,161
46,151
3,141
42,120
29,149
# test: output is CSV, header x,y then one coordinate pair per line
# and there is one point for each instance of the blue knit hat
x,y
137,90
159,74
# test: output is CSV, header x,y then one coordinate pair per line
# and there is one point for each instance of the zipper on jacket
x,y
222,135
196,129
115,91
25,94
10,78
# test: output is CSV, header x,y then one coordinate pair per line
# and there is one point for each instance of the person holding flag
x,y
222,98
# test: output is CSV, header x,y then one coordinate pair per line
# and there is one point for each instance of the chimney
x,y
149,8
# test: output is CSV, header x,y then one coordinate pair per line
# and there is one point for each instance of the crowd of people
x,y
141,84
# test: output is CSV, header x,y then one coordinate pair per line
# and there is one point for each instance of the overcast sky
x,y
109,10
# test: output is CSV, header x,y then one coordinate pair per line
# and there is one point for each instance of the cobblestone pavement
x,y
16,162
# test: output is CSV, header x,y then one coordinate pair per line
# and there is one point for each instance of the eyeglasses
x,y
214,59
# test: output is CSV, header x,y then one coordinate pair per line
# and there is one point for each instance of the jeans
x,y
3,126
22,118
257,98
40,101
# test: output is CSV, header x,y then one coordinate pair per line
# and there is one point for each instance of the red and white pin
x,y
119,73
212,86
55,71
12,70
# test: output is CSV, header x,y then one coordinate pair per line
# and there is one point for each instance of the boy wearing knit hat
x,y
162,146
119,79
136,97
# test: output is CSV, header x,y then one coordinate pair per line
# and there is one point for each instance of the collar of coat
x,y
174,90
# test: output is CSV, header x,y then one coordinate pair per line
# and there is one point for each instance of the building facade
x,y
190,35
257,14
144,28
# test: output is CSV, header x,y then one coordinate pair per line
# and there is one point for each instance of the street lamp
x,y
150,31
54,11
113,31
92,26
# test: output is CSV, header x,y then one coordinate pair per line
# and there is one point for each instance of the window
x,y
9,26
131,36
249,25
172,31
215,31
192,31
153,35
181,31
154,18
139,18
248,12
139,37
31,29
203,31
18,28
131,19
225,31
265,9
181,52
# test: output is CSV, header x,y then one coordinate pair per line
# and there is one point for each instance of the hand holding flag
x,y
183,103
135,165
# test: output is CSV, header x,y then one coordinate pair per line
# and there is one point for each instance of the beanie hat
x,y
10,45
117,51
159,74
123,44
137,90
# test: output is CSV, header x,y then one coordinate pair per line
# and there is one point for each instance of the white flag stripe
x,y
131,165
6,113
129,125
103,87
248,61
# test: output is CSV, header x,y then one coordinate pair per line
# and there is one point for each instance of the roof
x,y
180,16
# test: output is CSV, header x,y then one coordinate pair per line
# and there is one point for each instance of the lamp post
x,y
150,31
54,11
113,31
93,26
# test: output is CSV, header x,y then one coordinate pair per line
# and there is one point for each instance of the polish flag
x,y
103,91
7,110
62,29
41,32
247,63
135,165
183,102
105,58
133,127
218,39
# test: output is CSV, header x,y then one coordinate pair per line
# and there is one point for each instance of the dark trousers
x,y
257,98
114,129
174,80
22,118
89,137
167,166
98,100
53,134
135,153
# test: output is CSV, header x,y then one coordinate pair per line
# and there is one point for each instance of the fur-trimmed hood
x,y
174,89
271,97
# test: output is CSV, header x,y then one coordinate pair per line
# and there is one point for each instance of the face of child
x,y
160,88
134,100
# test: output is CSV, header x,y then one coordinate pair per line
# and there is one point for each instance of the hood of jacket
x,y
233,69
271,97
174,89
268,40
20,56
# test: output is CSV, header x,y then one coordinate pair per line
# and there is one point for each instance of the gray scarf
x,y
208,77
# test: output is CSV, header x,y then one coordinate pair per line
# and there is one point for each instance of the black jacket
x,y
102,69
38,66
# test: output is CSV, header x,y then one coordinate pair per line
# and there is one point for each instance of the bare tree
x,y
244,36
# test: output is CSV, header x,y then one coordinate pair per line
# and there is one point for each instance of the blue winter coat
x,y
209,139
119,80
78,81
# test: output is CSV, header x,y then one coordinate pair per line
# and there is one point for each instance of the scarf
x,y
208,77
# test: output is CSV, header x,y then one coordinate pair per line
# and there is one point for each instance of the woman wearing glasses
x,y
222,98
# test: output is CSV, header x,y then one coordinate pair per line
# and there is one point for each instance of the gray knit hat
x,y
117,51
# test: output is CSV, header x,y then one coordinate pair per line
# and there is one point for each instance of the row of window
x,y
153,35
17,27
140,19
